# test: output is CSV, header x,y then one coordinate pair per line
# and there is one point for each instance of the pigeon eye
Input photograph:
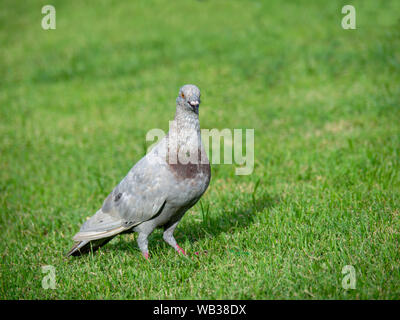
x,y
182,95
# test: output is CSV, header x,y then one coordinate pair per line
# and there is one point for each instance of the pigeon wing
x,y
140,196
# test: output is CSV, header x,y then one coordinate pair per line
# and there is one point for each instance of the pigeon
x,y
159,188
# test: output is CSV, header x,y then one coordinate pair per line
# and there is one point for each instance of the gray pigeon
x,y
160,187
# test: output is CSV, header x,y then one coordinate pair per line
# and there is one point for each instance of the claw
x,y
197,253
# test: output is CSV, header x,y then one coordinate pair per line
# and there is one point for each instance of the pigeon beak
x,y
195,106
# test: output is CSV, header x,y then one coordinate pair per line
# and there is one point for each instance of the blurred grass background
x,y
77,102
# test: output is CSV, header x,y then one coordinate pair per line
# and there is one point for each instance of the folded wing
x,y
140,196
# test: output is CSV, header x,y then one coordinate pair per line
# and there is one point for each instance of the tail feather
x,y
87,246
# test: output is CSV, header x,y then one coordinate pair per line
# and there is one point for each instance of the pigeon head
x,y
189,98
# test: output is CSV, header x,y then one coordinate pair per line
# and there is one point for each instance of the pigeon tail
x,y
87,246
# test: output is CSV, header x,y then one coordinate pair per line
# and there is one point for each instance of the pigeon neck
x,y
186,120
184,138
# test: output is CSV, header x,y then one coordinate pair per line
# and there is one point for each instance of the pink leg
x,y
180,250
146,255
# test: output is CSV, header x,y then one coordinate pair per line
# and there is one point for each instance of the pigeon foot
x,y
180,250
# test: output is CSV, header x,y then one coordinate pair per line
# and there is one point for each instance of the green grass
x,y
77,102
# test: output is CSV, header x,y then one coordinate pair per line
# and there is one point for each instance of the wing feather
x,y
137,198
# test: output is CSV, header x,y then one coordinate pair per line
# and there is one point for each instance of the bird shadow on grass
x,y
228,221
207,225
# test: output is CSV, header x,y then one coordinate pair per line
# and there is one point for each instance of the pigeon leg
x,y
168,236
142,243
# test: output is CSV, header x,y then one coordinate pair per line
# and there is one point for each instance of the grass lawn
x,y
76,104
